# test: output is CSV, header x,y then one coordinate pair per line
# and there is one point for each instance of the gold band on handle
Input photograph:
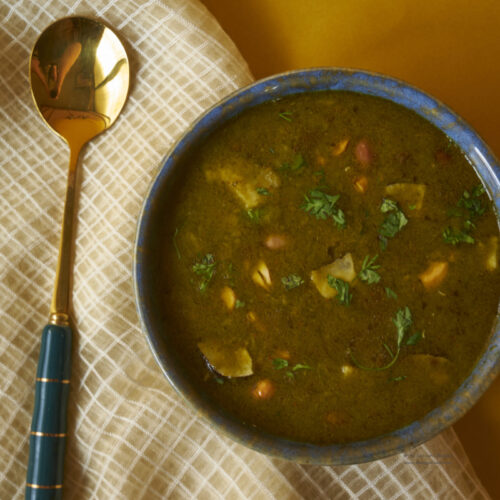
x,y
43,487
56,380
59,318
48,434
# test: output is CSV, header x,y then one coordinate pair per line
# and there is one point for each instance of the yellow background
x,y
449,48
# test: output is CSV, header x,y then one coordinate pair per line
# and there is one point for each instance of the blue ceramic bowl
x,y
481,158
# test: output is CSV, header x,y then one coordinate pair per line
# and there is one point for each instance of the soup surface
x,y
328,267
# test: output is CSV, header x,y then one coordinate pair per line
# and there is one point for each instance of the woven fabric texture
x,y
130,434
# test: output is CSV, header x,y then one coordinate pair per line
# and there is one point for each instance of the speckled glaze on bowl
x,y
481,158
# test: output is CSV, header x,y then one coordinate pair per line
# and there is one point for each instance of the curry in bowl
x,y
326,267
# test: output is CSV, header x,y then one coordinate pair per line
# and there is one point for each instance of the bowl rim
x,y
487,168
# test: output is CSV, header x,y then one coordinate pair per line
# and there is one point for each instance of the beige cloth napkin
x,y
131,436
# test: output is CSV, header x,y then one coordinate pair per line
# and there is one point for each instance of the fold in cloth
x,y
130,435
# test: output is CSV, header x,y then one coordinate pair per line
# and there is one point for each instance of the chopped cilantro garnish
x,y
455,236
297,163
279,363
292,281
343,295
368,272
301,366
254,214
415,338
469,225
388,206
394,221
471,202
390,293
399,378
263,191
286,115
473,206
322,206
239,304
403,322
205,269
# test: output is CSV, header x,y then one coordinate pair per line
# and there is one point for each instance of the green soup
x,y
328,267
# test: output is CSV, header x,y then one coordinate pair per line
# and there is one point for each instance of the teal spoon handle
x,y
48,428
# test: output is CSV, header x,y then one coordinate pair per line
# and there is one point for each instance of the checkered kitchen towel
x,y
131,436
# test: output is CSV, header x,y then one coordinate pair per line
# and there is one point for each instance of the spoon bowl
x,y
79,75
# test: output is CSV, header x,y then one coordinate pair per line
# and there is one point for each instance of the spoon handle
x,y
48,426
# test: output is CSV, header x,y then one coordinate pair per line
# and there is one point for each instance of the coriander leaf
x,y
342,287
283,363
375,368
388,349
301,366
297,163
469,225
322,206
473,206
471,202
454,237
394,221
388,206
254,214
403,322
415,338
279,363
205,269
478,190
339,218
291,281
286,115
368,271
390,293
397,379
262,191
219,380
239,304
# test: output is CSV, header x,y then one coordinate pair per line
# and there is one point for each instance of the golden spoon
x,y
79,74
